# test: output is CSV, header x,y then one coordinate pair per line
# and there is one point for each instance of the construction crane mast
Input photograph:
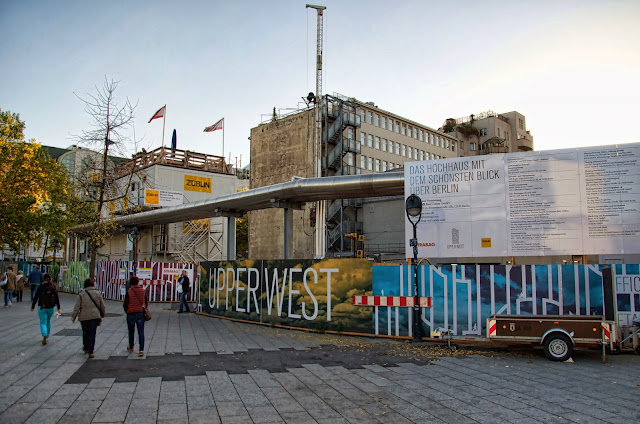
x,y
320,234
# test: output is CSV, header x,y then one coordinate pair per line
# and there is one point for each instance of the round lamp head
x,y
413,205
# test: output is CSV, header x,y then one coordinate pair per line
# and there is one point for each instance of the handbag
x,y
179,287
145,310
99,310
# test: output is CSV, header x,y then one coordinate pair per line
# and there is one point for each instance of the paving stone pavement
x,y
492,387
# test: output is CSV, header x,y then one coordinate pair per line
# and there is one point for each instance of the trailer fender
x,y
557,330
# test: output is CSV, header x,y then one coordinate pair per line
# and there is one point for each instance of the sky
x,y
571,67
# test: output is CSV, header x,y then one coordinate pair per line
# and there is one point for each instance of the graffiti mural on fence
x,y
627,288
465,296
72,276
159,279
299,293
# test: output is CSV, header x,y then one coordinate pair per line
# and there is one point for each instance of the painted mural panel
x,y
312,294
627,289
465,296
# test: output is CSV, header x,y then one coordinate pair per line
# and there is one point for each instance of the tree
x,y
111,122
35,195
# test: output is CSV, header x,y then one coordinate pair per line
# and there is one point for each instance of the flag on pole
x,y
159,114
217,126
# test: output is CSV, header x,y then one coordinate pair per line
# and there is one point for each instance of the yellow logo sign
x,y
193,183
486,242
151,196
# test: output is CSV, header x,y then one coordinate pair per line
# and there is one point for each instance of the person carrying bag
x,y
90,310
136,307
46,296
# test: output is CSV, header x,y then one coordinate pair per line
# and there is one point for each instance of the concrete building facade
x,y
358,138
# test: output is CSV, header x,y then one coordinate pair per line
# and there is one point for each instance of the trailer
x,y
558,334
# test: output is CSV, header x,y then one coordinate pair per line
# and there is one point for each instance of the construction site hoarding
x,y
313,294
555,202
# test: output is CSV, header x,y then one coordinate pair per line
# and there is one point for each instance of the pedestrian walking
x,y
135,301
184,282
35,279
20,280
47,298
89,310
9,287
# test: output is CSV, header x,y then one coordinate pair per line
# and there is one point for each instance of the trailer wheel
x,y
558,347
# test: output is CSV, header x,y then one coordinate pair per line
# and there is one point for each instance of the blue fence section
x,y
464,296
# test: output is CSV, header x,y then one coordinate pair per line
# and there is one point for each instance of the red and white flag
x,y
217,126
159,114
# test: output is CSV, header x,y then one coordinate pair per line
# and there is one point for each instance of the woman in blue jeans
x,y
47,298
134,303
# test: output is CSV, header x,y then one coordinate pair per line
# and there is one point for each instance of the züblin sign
x,y
193,183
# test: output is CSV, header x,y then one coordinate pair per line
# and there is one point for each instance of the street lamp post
x,y
413,207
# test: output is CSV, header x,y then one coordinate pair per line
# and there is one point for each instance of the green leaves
x,y
34,190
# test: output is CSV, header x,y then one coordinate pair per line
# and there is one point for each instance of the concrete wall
x,y
281,150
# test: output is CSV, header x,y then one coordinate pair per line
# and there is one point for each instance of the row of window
x,y
401,128
384,145
379,165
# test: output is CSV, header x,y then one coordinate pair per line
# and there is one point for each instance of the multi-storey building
x,y
357,137
490,132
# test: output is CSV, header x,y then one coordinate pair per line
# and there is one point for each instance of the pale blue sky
x,y
571,67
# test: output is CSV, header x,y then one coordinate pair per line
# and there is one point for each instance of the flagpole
x,y
164,117
223,125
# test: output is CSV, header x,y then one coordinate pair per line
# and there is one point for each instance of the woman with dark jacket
x,y
90,310
134,303
47,298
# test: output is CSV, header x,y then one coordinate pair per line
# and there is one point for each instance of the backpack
x,y
47,296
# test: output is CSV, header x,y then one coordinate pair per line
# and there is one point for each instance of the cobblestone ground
x,y
202,369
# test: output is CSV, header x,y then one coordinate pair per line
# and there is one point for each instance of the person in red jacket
x,y
134,302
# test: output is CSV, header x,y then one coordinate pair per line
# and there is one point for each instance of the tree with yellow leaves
x,y
34,190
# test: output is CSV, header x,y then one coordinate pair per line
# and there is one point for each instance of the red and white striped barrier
x,y
492,327
405,301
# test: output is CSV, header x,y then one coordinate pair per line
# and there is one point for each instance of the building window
x,y
421,135
421,155
350,159
397,127
377,117
369,140
384,144
384,165
384,122
397,148
404,150
506,135
448,144
369,117
377,165
431,137
483,131
363,162
390,124
415,154
472,146
370,163
415,133
362,138
462,145
404,129
438,141
377,146
410,152
390,146
521,123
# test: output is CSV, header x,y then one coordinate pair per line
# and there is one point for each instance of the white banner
x,y
559,202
